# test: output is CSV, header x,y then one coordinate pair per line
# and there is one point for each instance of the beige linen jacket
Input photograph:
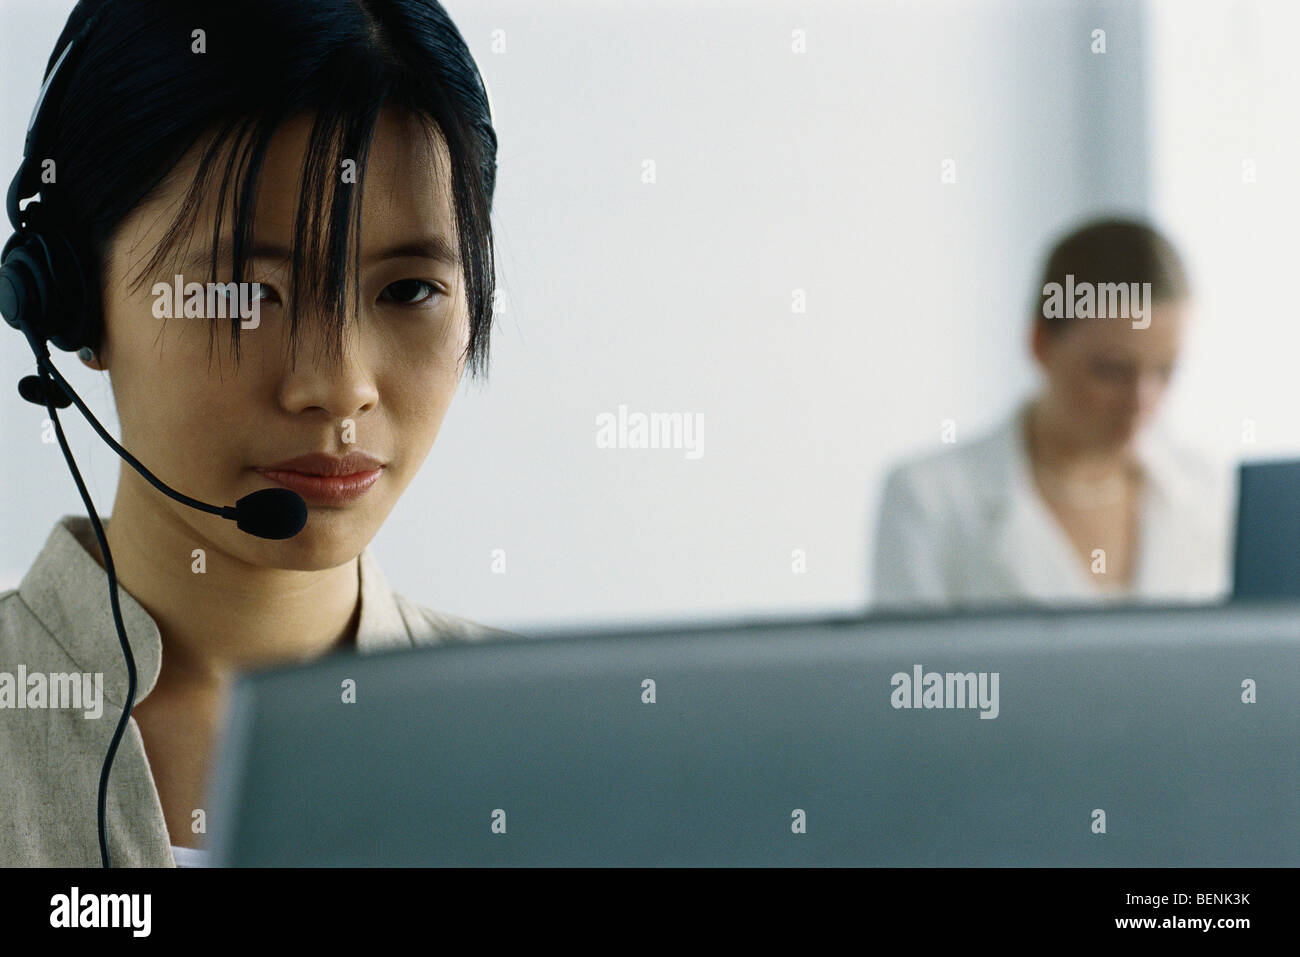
x,y
59,621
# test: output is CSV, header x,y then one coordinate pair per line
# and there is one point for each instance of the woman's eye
x,y
260,292
409,292
266,294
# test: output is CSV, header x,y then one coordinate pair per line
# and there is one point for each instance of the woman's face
x,y
1107,377
205,430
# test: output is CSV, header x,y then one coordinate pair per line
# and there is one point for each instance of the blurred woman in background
x,y
1073,499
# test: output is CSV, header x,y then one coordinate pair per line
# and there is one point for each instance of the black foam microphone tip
x,y
271,513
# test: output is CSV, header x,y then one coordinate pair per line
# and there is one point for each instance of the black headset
x,y
43,294
46,294
43,288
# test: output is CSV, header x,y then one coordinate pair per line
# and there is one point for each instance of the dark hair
x,y
1113,250
139,99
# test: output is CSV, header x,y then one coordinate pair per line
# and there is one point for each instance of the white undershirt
x,y
191,856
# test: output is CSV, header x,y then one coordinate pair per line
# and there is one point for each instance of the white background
x,y
779,171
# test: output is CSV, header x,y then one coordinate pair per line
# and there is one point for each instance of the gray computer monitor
x,y
1140,737
1266,563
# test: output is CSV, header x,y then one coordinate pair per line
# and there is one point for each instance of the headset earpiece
x,y
22,295
42,285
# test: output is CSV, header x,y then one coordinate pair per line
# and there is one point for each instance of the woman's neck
x,y
1053,453
233,616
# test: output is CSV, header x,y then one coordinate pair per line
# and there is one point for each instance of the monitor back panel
x,y
1161,737
1267,557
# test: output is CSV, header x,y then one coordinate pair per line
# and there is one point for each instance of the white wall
x,y
1224,87
776,171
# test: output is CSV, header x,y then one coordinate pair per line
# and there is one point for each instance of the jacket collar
x,y
1166,479
1018,517
67,591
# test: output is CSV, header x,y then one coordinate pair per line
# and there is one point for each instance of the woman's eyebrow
x,y
225,253
434,246
427,247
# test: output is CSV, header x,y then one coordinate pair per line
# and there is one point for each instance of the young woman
x,y
1076,497
340,155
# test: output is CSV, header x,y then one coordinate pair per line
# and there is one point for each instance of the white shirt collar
x,y
1023,524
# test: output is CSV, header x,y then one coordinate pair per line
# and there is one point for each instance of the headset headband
x,y
20,186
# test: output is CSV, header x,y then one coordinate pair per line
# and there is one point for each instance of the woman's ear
x,y
1038,341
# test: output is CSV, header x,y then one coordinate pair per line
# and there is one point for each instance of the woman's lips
x,y
325,489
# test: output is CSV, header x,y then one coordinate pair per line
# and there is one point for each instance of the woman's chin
x,y
330,538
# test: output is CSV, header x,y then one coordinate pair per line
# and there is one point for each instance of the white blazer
x,y
966,525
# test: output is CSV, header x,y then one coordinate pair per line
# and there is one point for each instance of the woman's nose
x,y
1155,383
1146,392
341,383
